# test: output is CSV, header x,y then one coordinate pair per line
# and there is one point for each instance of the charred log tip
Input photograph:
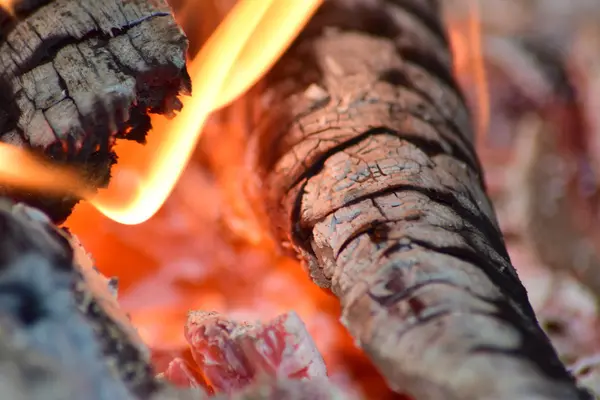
x,y
74,91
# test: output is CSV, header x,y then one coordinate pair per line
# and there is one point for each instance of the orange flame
x,y
39,175
8,6
243,48
467,51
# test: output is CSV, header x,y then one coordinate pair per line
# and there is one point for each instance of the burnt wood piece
x,y
56,317
77,74
365,156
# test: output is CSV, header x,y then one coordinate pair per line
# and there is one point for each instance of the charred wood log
x,y
365,158
59,321
77,74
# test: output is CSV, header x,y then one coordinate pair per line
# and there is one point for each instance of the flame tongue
x,y
243,48
8,6
467,51
245,45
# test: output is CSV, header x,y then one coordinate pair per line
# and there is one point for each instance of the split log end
x,y
77,75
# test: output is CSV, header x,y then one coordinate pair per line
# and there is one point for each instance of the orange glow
x,y
243,48
467,52
34,173
8,6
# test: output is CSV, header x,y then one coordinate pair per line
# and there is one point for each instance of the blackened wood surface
x,y
365,154
76,74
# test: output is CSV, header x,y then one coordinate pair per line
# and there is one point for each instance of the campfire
x,y
242,199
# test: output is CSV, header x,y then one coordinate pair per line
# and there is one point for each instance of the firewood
x,y
77,74
233,355
57,317
365,161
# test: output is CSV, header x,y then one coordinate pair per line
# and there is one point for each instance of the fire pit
x,y
352,152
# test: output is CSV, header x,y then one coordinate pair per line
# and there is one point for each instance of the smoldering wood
x,y
366,165
77,74
60,338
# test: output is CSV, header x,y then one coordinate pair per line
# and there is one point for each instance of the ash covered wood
x,y
62,337
77,74
366,162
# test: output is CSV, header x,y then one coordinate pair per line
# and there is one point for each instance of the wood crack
x,y
376,214
75,80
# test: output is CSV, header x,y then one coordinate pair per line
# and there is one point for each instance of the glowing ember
x,y
243,48
180,374
231,355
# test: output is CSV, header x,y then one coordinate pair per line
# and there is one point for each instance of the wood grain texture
x,y
366,164
77,74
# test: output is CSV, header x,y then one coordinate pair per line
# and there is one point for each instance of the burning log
x,y
78,74
57,318
366,161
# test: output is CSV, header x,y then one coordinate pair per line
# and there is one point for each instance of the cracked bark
x,y
365,159
77,74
